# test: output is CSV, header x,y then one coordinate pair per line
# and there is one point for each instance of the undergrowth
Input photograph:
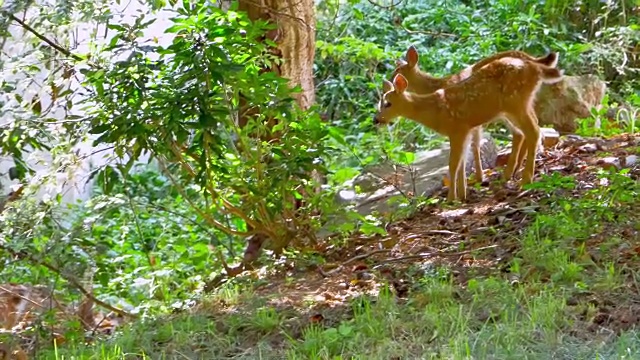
x,y
567,265
149,243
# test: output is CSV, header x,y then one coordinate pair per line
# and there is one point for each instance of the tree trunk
x,y
295,38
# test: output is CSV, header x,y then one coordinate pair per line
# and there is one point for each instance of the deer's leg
x,y
461,176
529,126
523,151
516,151
457,188
475,145
521,156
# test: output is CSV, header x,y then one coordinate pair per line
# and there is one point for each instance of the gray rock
x,y
422,178
562,103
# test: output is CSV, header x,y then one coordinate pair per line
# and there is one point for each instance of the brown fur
x,y
504,88
422,83
20,306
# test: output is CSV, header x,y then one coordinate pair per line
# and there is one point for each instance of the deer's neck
x,y
423,83
429,110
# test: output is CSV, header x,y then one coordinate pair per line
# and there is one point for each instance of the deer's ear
x,y
387,86
400,83
412,56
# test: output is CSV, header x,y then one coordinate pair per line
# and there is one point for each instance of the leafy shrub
x,y
358,43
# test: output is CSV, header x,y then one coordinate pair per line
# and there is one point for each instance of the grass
x,y
569,290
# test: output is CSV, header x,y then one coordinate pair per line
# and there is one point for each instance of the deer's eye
x,y
386,104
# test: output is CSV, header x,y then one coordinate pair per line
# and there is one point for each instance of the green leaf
x,y
406,158
337,135
100,129
175,28
116,27
370,229
345,174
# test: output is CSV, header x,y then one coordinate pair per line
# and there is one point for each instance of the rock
x,y
550,137
618,163
562,103
503,157
630,161
609,163
588,148
428,166
488,154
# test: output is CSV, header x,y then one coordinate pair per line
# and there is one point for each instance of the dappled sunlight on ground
x,y
476,238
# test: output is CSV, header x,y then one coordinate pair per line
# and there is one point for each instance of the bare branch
x,y
355,258
74,282
430,255
49,42
385,6
278,12
430,33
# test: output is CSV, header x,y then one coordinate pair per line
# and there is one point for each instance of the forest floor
x,y
546,272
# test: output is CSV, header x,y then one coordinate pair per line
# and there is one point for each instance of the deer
x,y
21,306
422,83
504,88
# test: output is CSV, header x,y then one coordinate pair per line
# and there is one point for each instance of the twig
x,y
49,297
523,194
385,180
215,223
335,18
428,255
75,283
280,13
8,291
71,280
14,195
136,221
185,217
425,32
385,6
49,42
440,232
95,152
355,258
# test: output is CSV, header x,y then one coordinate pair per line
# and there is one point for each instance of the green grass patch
x,y
572,267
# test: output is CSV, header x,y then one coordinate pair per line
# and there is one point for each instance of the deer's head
x,y
393,100
407,67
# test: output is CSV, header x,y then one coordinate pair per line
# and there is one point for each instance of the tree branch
x,y
49,42
215,223
74,282
431,33
385,6
429,255
355,258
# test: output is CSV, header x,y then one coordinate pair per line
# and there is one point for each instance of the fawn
x,y
504,88
422,83
21,306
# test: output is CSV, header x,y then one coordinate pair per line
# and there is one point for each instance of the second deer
x,y
422,83
504,88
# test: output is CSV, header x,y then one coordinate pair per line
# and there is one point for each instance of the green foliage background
x,y
154,237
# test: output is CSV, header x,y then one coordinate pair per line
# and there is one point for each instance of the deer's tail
x,y
550,60
550,75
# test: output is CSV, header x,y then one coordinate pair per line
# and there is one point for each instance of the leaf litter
x,y
478,238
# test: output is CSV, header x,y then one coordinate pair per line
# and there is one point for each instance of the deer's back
x,y
500,87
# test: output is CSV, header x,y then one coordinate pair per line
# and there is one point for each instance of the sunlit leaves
x,y
181,103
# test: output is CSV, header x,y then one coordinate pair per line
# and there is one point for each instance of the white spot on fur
x,y
466,73
21,307
440,93
519,63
